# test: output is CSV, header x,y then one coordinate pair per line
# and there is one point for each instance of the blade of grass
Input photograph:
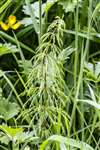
x,y
8,37
5,5
40,20
18,44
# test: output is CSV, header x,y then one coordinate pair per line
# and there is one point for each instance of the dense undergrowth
x,y
49,75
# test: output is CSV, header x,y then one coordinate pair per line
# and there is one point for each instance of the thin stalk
x,y
14,90
81,96
18,45
76,61
93,128
76,45
81,68
93,36
40,20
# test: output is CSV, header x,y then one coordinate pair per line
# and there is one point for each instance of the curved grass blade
x,y
67,141
3,34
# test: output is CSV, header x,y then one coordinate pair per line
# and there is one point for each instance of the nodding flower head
x,y
11,22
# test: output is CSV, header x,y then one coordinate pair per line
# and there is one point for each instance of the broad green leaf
x,y
8,109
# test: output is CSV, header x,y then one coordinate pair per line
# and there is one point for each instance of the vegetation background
x,y
49,75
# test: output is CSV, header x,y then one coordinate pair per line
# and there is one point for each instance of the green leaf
x,y
7,109
92,71
11,39
4,139
49,4
26,65
11,132
67,141
32,15
16,134
68,5
35,9
7,48
65,53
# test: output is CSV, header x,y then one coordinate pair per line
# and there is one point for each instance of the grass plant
x,y
50,75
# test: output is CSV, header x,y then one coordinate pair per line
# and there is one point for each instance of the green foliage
x,y
68,5
93,72
16,135
50,94
7,48
67,141
5,5
7,109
